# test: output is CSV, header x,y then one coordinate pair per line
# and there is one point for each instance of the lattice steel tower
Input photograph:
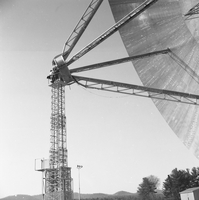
x,y
58,177
57,181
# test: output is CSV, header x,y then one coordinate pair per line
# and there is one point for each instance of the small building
x,y
190,194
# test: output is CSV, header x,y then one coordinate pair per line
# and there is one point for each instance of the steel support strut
x,y
193,11
62,65
119,61
77,32
136,90
134,13
80,27
183,65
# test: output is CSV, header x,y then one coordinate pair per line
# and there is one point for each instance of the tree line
x,y
175,183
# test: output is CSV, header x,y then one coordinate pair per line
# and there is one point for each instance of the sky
x,y
118,139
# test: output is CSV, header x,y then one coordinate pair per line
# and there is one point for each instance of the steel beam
x,y
136,90
193,11
118,61
134,13
81,27
186,67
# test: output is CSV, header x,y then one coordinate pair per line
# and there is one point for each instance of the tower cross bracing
x,y
58,177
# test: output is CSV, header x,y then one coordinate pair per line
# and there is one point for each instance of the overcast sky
x,y
119,139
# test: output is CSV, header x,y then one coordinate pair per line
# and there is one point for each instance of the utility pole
x,y
79,167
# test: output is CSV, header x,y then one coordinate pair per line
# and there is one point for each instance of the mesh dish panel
x,y
163,26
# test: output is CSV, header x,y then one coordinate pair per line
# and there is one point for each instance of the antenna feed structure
x,y
60,72
58,60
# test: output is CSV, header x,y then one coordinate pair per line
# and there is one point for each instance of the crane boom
x,y
136,90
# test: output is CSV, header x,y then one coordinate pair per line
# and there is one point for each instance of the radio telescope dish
x,y
164,25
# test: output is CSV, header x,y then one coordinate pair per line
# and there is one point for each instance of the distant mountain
x,y
76,196
20,197
124,193
102,195
91,196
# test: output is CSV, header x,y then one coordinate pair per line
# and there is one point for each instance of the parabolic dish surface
x,y
163,26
